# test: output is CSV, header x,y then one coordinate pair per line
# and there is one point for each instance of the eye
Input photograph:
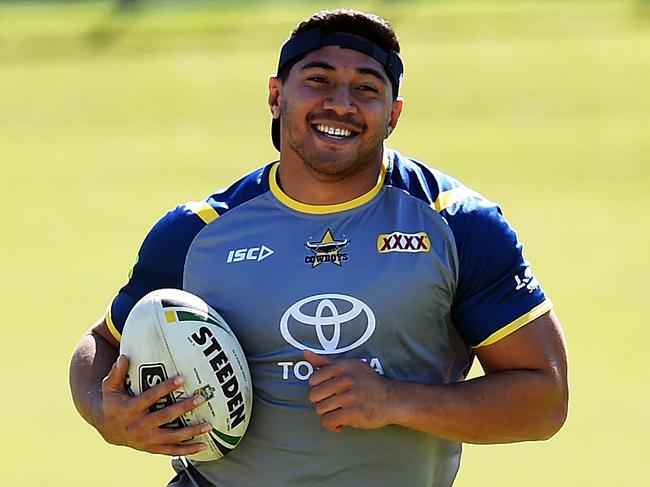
x,y
316,79
368,88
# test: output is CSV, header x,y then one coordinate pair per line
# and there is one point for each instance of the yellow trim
x,y
534,313
449,197
323,209
203,210
111,325
170,316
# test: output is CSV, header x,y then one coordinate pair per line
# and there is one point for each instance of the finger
x,y
173,449
179,435
326,371
315,359
151,396
114,381
170,413
335,402
326,386
335,420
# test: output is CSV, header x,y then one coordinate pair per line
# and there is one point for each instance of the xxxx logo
x,y
403,242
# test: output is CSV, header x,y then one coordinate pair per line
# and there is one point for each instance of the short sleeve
x,y
496,292
160,261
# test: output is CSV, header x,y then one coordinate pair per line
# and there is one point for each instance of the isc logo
x,y
253,253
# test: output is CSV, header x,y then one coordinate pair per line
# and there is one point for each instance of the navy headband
x,y
314,39
311,40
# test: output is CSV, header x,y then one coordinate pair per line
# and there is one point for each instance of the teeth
x,y
333,131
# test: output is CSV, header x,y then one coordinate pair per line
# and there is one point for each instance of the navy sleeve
x,y
160,261
496,292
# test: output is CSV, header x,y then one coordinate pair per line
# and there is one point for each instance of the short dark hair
x,y
363,24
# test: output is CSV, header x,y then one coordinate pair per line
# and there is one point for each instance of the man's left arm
x,y
522,396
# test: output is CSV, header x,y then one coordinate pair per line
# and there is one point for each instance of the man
x,y
372,282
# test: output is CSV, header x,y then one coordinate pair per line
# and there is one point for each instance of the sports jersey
x,y
409,277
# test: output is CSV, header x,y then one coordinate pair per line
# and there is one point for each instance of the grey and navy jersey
x,y
410,277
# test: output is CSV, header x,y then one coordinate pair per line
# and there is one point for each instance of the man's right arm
x,y
97,374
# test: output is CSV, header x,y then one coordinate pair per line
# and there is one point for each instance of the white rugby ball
x,y
170,332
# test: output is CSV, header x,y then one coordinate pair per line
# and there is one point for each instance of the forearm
x,y
91,362
502,407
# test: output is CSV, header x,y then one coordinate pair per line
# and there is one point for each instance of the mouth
x,y
331,133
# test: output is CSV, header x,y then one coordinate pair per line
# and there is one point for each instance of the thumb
x,y
315,359
114,381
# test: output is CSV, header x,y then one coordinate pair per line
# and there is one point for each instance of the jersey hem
x,y
513,326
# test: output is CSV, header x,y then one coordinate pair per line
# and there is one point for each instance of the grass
x,y
107,120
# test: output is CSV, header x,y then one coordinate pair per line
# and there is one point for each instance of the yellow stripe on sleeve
x,y
111,325
203,210
448,198
534,313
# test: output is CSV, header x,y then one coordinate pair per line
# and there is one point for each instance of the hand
x,y
125,420
348,393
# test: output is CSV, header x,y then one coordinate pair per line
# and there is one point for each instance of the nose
x,y
339,100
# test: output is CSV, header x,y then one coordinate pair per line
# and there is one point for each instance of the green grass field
x,y
107,120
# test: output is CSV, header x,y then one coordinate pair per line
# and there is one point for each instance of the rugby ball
x,y
170,332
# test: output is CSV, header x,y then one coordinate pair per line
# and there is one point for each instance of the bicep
x,y
101,331
539,345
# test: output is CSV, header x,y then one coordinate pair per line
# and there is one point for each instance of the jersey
x,y
410,277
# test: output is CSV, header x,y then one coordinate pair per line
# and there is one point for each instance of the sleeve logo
x,y
527,282
403,242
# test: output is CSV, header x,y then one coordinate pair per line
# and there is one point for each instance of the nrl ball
x,y
170,332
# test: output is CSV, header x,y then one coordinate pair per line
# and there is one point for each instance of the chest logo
x,y
253,253
328,323
328,249
403,242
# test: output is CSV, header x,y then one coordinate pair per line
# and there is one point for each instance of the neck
x,y
306,185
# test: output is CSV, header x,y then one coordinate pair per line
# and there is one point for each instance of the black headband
x,y
296,47
314,39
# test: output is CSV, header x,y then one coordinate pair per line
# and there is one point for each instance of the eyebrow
x,y
328,67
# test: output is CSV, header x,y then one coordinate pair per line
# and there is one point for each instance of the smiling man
x,y
361,284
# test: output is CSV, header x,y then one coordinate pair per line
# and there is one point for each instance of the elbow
x,y
553,424
555,417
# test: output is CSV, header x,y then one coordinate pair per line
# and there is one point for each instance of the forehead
x,y
341,58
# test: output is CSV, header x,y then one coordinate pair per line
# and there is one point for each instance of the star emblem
x,y
327,250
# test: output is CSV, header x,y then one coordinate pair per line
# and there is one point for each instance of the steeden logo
x,y
403,242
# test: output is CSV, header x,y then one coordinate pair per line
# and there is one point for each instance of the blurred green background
x,y
109,118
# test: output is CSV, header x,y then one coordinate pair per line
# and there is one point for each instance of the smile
x,y
334,132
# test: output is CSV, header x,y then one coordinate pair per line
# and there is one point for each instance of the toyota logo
x,y
328,323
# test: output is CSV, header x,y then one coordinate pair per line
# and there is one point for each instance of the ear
x,y
395,112
275,89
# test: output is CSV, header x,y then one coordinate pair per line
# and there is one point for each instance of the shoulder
x,y
444,193
181,224
161,259
197,214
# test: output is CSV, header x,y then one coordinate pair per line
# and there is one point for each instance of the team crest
x,y
328,249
